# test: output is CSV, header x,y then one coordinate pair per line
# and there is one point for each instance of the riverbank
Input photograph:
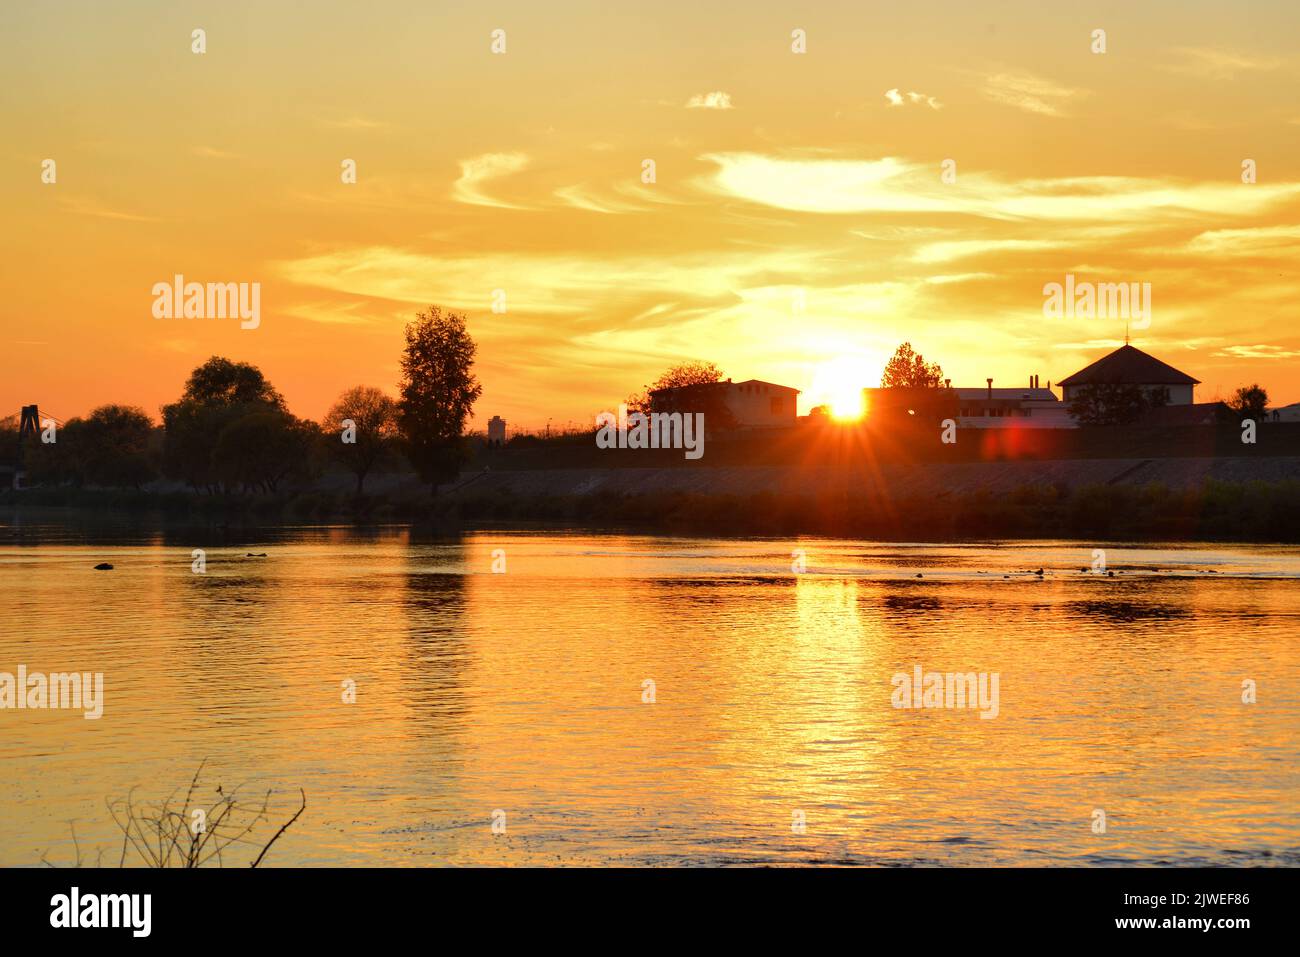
x,y
1215,511
1228,499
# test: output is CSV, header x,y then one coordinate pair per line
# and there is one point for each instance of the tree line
x,y
231,430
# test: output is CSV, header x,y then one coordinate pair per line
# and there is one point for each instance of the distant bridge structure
x,y
29,427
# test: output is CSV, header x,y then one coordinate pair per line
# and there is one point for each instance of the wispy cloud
x,y
351,313
960,249
581,196
658,194
1030,93
478,170
890,184
539,282
948,279
717,100
85,206
1253,241
896,98
1219,64
1258,352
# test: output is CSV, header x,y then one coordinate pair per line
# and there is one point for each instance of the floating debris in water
x,y
103,567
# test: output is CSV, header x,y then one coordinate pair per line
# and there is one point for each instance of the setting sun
x,y
838,384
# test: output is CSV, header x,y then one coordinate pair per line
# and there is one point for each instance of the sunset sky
x,y
776,173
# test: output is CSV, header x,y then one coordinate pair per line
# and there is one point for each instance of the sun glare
x,y
838,384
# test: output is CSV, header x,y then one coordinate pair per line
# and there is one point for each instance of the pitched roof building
x,y
1128,365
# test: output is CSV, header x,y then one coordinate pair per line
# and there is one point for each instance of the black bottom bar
x,y
968,906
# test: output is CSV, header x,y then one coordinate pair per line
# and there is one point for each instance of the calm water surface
x,y
522,692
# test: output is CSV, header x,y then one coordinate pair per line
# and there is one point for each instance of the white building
x,y
496,431
1027,408
752,404
1030,407
758,404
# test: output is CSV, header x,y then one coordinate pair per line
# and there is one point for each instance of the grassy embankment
x,y
896,506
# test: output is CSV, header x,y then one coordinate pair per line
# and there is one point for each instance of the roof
x,y
1028,395
1129,366
726,384
770,385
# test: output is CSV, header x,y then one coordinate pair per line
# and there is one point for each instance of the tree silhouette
x,y
1250,401
691,373
217,395
907,369
698,387
263,448
108,447
694,372
116,439
374,421
220,381
438,393
1110,403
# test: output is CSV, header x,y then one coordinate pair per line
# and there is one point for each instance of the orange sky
x,y
780,177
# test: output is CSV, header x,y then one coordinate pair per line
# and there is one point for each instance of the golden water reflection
x,y
523,691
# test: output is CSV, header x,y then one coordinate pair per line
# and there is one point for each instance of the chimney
x,y
990,381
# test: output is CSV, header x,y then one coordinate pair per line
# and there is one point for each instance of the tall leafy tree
x,y
262,449
221,382
373,431
218,393
438,392
907,369
116,446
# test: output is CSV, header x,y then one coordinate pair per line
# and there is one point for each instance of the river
x,y
575,698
